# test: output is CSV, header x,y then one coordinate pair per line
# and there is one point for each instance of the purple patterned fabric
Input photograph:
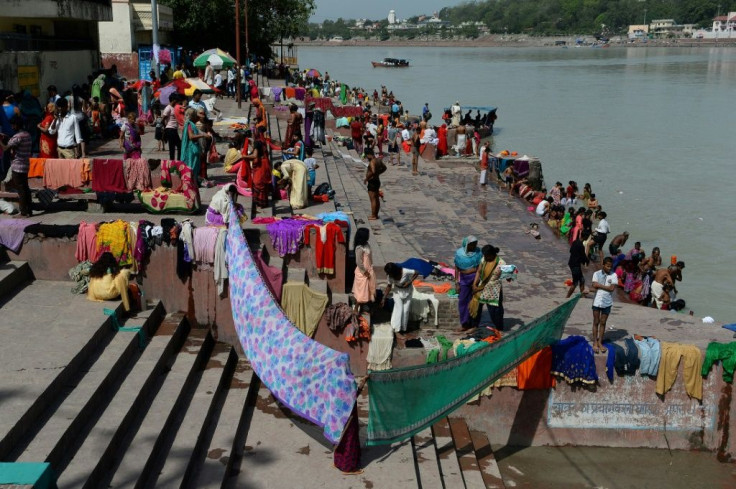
x,y
287,235
12,232
311,379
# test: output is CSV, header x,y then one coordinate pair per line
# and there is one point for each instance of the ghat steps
x,y
182,412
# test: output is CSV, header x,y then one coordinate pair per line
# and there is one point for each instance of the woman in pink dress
x,y
578,224
364,285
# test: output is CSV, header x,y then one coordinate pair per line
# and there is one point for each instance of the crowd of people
x,y
579,217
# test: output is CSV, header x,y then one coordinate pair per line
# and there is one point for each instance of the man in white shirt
x,y
601,233
405,134
66,126
543,207
604,283
219,83
209,74
231,81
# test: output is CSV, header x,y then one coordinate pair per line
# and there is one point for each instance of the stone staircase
x,y
428,215
184,411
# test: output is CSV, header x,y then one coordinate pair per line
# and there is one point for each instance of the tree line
x,y
200,25
540,17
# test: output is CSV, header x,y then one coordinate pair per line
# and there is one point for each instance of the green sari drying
x,y
405,401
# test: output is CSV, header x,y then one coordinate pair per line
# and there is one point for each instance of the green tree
x,y
204,24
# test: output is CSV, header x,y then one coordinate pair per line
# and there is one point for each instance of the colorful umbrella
x,y
196,84
314,73
165,93
214,55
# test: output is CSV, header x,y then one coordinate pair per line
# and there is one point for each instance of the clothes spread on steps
x,y
311,379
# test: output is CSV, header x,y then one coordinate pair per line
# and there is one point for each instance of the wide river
x,y
651,129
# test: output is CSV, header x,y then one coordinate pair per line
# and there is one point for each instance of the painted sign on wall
x,y
28,79
631,406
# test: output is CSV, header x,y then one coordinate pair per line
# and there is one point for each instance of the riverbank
x,y
514,41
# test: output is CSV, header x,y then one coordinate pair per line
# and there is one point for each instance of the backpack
x,y
322,189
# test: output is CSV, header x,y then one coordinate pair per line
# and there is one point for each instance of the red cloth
x,y
273,276
347,453
324,253
107,176
325,104
534,372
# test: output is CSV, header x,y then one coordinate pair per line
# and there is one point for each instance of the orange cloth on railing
x,y
438,288
35,170
86,171
534,372
59,173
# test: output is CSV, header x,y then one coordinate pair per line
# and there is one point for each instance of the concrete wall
x,y
60,68
58,9
127,64
627,413
117,36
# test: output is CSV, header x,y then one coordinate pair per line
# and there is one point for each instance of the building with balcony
x,y
44,42
130,30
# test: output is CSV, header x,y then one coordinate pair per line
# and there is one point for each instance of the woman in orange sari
x,y
442,144
47,146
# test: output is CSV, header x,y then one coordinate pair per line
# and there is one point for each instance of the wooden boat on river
x,y
391,63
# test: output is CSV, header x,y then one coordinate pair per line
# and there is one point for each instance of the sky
x,y
376,9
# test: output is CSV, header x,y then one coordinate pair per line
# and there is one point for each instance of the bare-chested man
x,y
372,180
416,144
651,262
662,278
461,140
618,242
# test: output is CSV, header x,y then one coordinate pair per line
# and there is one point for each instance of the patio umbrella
x,y
214,55
314,73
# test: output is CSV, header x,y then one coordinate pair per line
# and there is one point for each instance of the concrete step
x,y
173,396
487,461
229,434
88,396
275,434
39,377
390,243
452,474
188,451
466,454
428,466
105,441
13,276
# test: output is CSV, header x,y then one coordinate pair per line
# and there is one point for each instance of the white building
x,y
392,16
131,27
724,27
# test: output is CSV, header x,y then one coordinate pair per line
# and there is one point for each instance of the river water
x,y
651,129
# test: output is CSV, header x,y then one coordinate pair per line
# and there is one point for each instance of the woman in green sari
x,y
568,220
96,90
190,148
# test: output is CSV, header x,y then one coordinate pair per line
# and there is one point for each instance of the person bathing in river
x,y
618,242
662,279
461,140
